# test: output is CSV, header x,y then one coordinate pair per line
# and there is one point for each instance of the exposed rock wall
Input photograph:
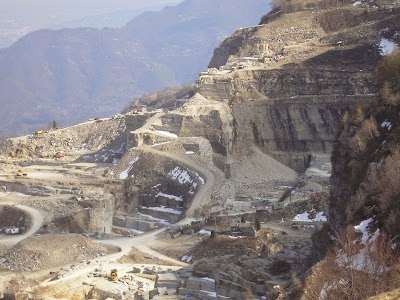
x,y
96,216
201,117
157,186
288,83
89,136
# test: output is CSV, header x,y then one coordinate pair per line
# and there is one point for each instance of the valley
x,y
227,196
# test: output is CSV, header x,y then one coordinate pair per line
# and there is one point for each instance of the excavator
x,y
114,275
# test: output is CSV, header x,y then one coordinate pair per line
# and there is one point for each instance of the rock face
x,y
288,83
157,186
96,216
95,135
69,75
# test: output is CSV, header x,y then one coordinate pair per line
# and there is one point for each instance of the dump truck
x,y
59,154
114,275
39,132
278,205
21,173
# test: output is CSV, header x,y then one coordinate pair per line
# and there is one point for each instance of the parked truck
x,y
278,205
114,275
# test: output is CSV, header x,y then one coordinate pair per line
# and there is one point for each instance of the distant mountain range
x,y
69,75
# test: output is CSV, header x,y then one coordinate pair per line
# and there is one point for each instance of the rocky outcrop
x,y
289,82
157,186
102,137
95,216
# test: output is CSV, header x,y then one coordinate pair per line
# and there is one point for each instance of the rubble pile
x,y
48,251
85,137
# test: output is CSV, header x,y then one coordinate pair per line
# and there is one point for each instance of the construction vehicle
x,y
21,173
278,205
39,132
114,275
59,154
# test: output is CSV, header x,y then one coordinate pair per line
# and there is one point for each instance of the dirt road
x,y
36,223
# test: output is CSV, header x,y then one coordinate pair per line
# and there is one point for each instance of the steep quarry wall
x,y
201,117
288,83
289,113
156,185
96,216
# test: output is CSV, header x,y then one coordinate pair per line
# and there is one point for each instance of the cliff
x,y
289,82
365,161
364,209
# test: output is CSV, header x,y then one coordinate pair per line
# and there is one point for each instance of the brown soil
x,y
178,247
137,257
12,216
51,250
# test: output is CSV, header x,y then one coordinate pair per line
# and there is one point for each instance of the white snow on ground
x,y
159,144
124,174
208,279
201,179
361,261
194,186
164,209
167,133
181,175
180,198
363,228
204,232
387,46
357,3
386,124
325,289
187,258
304,217
212,294
189,152
163,221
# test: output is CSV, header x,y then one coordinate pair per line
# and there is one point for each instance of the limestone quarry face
x,y
268,107
289,82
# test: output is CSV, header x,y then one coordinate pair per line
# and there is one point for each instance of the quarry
x,y
218,198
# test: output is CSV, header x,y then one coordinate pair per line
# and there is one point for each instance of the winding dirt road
x,y
36,223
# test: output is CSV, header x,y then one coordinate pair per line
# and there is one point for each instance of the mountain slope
x,y
72,74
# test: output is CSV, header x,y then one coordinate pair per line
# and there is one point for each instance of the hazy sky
x,y
29,6
19,17
37,9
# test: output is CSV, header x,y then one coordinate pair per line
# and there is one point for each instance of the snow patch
x,y
181,175
386,124
180,198
212,294
204,232
188,258
159,144
124,174
164,209
167,133
364,230
357,3
304,217
162,221
387,46
189,152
